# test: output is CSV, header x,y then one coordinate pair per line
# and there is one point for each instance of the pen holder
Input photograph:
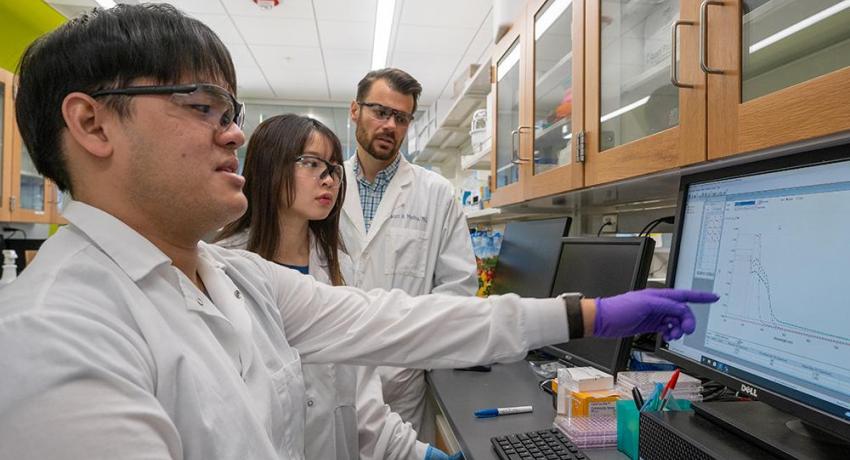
x,y
628,422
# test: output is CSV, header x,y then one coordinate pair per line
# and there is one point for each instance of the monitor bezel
x,y
812,415
646,247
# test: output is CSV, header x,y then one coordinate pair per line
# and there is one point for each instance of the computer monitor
x,y
770,238
528,257
600,267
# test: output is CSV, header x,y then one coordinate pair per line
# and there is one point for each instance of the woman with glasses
x,y
293,175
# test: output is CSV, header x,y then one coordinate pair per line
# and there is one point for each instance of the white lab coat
x,y
346,417
418,242
109,351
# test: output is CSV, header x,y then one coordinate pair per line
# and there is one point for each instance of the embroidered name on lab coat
x,y
410,217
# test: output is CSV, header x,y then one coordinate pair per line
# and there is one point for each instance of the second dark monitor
x,y
528,257
600,267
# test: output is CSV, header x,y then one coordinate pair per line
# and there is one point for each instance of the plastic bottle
x,y
10,269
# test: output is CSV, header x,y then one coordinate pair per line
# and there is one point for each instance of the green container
x,y
628,422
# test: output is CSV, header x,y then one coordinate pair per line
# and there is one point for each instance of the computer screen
x,y
600,267
528,257
771,239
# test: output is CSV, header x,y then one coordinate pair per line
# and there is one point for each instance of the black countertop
x,y
461,393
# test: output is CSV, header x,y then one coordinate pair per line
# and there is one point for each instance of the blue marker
x,y
487,413
653,398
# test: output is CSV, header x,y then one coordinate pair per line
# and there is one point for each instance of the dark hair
x,y
108,49
269,162
397,79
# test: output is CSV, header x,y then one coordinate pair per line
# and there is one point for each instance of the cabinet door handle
x,y
515,133
674,69
514,153
703,36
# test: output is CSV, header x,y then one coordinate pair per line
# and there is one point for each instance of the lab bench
x,y
460,393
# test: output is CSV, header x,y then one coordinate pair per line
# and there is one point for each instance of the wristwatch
x,y
575,321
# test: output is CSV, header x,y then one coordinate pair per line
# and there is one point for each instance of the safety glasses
x,y
383,113
213,104
318,168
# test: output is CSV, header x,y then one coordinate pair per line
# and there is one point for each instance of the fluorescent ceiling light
x,y
549,16
105,4
623,110
383,28
809,21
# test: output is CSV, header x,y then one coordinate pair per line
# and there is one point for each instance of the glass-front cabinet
x,y
6,134
25,195
786,76
646,94
555,49
30,191
507,87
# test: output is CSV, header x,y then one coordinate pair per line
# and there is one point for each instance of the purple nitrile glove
x,y
650,310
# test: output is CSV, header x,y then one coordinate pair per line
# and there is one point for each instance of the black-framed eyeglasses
x,y
214,104
383,113
319,168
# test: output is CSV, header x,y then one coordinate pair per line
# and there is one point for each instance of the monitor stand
x,y
776,431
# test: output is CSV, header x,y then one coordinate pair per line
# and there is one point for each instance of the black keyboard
x,y
549,444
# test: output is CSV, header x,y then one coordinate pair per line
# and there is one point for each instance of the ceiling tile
x,y
346,35
222,25
346,10
445,13
281,77
277,31
286,9
425,64
433,71
302,90
252,83
288,58
345,69
241,56
411,38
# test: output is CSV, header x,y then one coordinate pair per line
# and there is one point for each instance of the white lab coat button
x,y
237,294
309,403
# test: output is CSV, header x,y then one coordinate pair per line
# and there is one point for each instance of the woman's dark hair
x,y
268,170
109,49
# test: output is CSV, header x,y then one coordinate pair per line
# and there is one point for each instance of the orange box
x,y
593,403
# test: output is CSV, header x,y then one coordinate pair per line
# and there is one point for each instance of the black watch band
x,y
575,320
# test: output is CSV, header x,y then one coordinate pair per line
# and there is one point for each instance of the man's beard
x,y
363,139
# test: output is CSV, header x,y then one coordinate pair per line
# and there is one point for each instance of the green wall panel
x,y
21,22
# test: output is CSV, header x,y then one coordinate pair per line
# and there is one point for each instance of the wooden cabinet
x,y
26,195
593,92
30,190
539,97
7,131
778,72
510,112
555,76
645,108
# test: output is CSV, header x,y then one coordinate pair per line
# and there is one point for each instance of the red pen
x,y
671,384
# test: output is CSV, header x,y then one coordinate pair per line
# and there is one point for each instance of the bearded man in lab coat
x,y
401,223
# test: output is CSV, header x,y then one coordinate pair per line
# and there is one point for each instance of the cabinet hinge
x,y
580,147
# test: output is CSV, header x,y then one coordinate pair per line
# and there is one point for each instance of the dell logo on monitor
x,y
749,390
